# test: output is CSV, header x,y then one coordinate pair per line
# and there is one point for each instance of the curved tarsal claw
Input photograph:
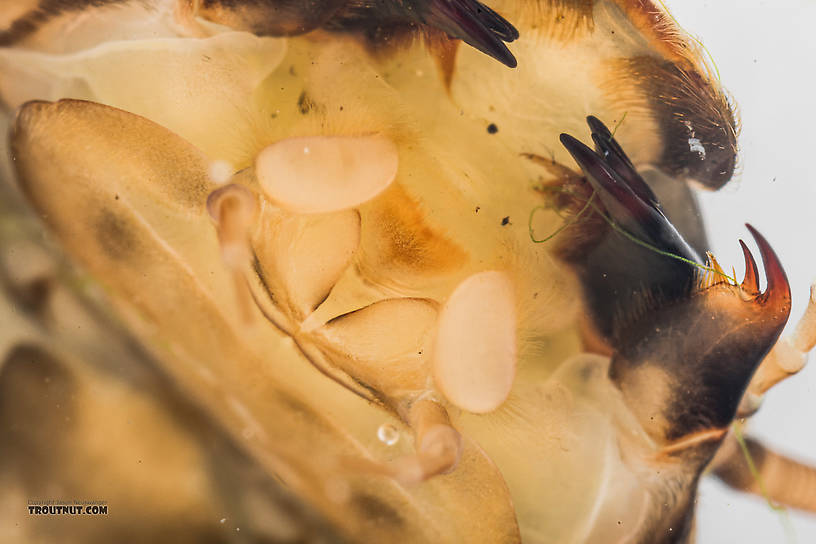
x,y
625,194
750,283
640,232
733,334
475,24
610,149
777,293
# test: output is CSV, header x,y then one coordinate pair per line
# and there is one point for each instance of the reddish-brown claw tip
x,y
710,375
777,293
750,284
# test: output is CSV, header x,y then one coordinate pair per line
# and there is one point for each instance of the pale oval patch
x,y
326,173
475,354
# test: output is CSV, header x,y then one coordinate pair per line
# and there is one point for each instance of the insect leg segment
x,y
703,348
438,446
467,20
287,253
234,210
787,358
778,478
685,340
685,344
759,470
472,22
624,193
269,17
617,287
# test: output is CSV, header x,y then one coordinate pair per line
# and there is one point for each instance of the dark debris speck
x,y
305,103
492,128
505,221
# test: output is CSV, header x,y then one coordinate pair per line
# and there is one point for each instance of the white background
x,y
766,55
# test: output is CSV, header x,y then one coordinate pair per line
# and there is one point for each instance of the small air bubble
x,y
305,150
388,434
222,520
